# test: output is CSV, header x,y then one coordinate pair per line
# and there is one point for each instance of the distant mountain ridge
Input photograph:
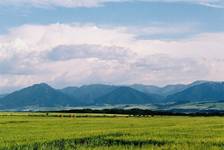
x,y
166,90
43,95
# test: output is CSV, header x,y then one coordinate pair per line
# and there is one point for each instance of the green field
x,y
109,132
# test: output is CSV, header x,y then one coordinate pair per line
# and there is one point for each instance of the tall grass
x,y
121,132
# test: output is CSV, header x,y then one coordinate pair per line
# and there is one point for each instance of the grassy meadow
x,y
109,132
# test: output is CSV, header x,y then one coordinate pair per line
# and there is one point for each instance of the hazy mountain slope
x,y
88,93
166,90
69,90
208,91
150,89
39,94
171,89
2,95
127,95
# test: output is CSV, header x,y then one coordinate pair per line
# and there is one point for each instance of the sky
x,y
121,42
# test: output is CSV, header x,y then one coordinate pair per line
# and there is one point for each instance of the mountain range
x,y
43,95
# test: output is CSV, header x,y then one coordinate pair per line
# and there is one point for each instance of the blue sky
x,y
76,42
138,13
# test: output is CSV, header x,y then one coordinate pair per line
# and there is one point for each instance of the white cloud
x,y
57,3
96,3
67,52
209,3
70,54
212,3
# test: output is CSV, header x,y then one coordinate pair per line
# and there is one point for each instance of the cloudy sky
x,y
76,42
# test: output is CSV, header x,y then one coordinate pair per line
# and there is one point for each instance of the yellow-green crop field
x,y
109,132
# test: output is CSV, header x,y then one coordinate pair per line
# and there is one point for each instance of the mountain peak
x,y
37,95
207,91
